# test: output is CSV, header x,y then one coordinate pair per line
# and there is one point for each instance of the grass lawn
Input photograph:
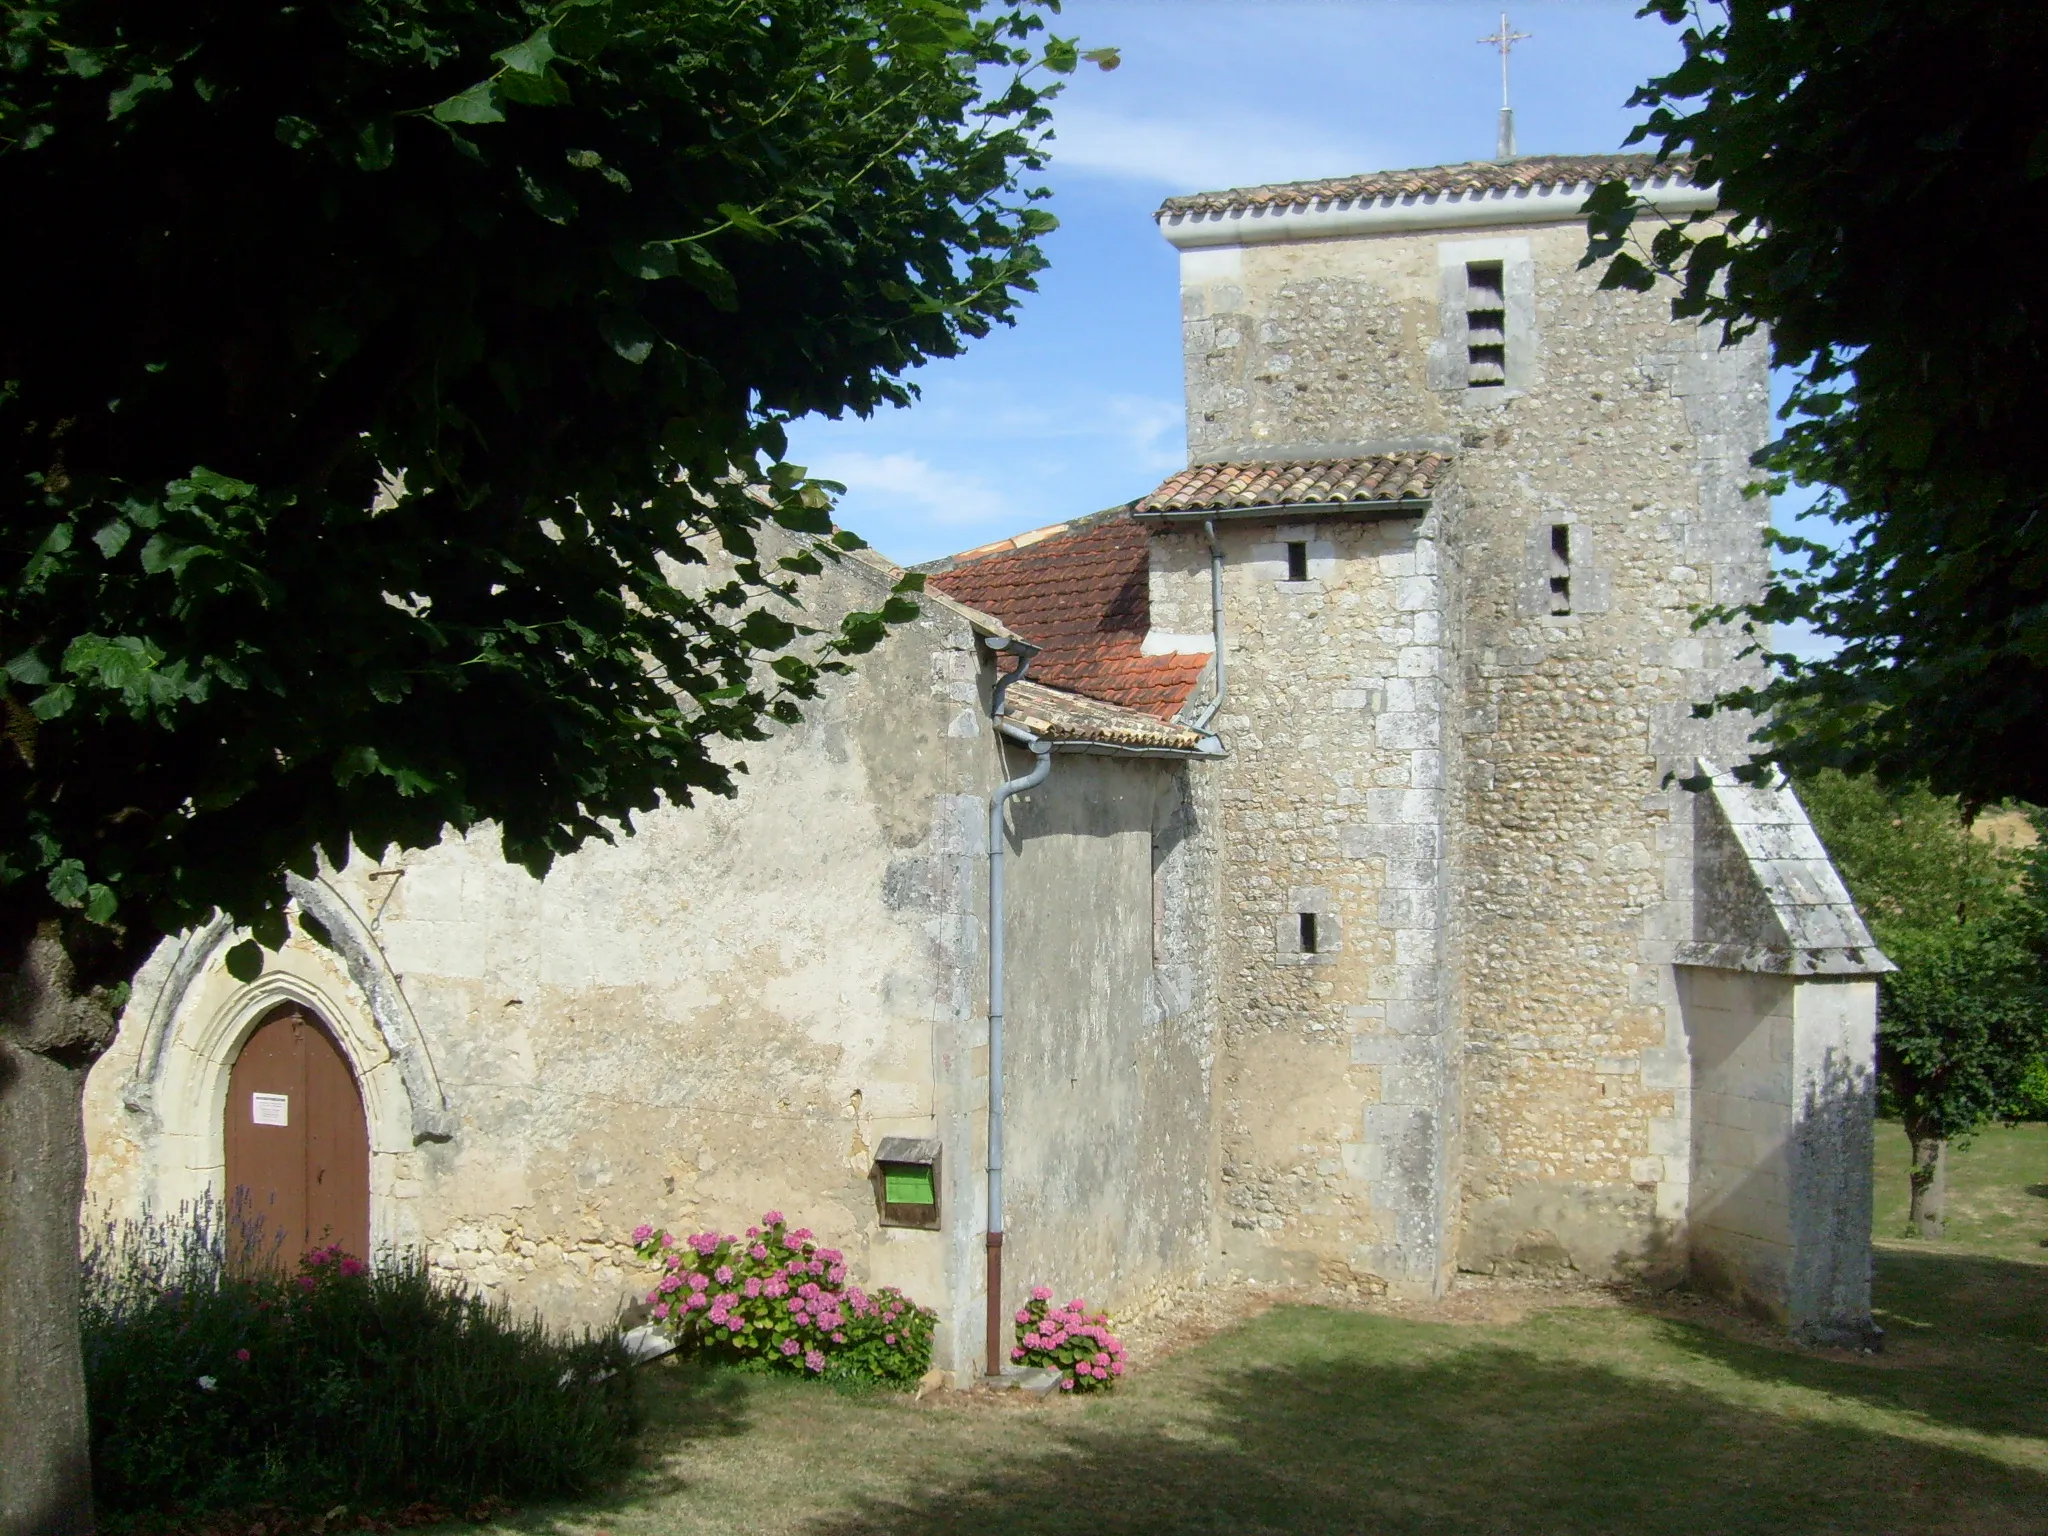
x,y
1597,1415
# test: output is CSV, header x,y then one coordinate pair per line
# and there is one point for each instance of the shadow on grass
x,y
1483,1439
678,1404
1965,1345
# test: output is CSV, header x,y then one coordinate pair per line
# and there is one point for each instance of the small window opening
x,y
1560,568
1297,562
1308,934
1486,325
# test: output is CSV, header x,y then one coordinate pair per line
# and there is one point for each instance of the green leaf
x,y
628,334
122,102
706,272
1061,55
30,669
68,884
547,200
478,104
531,57
100,904
746,221
547,90
245,961
113,537
296,132
52,703
651,260
376,147
582,28
1104,59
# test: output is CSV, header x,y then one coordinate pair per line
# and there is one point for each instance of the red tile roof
x,y
1380,477
1081,591
1062,716
1521,174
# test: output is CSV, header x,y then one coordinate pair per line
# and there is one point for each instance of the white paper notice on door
x,y
270,1108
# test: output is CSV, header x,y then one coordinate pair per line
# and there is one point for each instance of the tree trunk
x,y
1930,1185
50,1034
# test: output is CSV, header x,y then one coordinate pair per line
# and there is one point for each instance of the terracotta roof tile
x,y
1436,181
1081,591
1063,716
1381,477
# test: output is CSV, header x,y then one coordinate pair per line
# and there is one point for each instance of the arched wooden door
x,y
298,1145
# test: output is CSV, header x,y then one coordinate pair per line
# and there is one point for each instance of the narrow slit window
x,y
1561,568
1308,934
1486,325
1297,562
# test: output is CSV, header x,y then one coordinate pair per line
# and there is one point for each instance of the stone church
x,y
1357,925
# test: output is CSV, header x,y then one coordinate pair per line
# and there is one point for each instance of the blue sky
x,y
1078,407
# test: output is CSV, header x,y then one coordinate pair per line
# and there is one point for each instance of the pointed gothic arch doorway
x,y
297,1141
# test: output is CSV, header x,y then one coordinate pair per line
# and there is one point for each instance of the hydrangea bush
x,y
775,1299
1072,1340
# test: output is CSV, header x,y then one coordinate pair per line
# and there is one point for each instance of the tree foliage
x,y
392,404
1964,1020
1883,176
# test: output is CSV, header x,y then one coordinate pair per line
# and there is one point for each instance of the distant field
x,y
1997,1191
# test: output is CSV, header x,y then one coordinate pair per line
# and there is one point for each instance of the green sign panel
x,y
908,1184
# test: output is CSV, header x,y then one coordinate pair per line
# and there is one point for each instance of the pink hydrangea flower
x,y
887,1338
698,1301
669,1283
790,1346
1116,1368
723,1274
801,1235
1066,1383
753,1285
667,1241
771,1218
1041,1293
753,1231
698,1282
840,1338
705,1243
759,1250
641,1233
1023,1314
813,1360
660,1310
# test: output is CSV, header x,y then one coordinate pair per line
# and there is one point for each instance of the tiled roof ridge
x,y
1407,476
1520,174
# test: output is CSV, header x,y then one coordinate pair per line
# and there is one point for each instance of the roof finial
x,y
1505,40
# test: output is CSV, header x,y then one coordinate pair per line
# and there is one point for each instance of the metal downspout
x,y
1216,618
1042,750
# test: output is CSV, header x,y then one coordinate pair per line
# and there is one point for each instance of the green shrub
x,y
216,1385
776,1300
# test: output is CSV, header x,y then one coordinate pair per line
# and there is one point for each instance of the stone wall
x,y
727,1011
1564,850
1336,1094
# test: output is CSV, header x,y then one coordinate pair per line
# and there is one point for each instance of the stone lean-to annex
x,y
1386,942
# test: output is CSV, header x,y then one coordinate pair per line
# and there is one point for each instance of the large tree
x,y
1883,176
372,371
1963,1021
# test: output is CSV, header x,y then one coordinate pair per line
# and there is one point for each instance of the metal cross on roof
x,y
1505,40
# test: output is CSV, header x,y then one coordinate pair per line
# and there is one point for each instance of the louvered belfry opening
x,y
1486,324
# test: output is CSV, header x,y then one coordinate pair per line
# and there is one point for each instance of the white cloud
x,y
1204,150
910,483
